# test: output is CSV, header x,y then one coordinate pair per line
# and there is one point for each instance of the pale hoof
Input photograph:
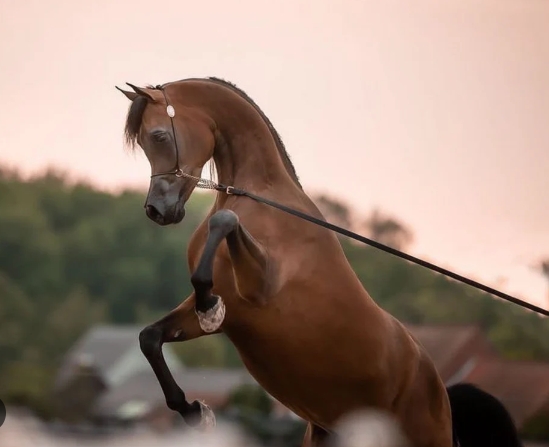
x,y
207,418
211,319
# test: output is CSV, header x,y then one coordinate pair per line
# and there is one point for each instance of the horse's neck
x,y
246,161
246,153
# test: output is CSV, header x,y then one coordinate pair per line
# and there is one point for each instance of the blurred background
x,y
422,125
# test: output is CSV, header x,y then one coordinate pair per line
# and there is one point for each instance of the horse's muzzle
x,y
165,204
162,214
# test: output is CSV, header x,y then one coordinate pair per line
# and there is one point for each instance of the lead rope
x,y
231,190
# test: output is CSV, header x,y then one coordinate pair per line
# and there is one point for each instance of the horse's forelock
x,y
134,119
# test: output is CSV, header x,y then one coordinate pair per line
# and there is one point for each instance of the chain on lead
x,y
202,182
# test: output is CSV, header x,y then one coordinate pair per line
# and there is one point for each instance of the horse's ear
x,y
140,91
130,95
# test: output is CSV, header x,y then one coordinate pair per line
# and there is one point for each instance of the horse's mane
x,y
138,105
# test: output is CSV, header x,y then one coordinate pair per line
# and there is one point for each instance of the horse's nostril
x,y
153,213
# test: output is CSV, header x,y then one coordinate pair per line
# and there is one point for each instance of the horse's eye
x,y
160,137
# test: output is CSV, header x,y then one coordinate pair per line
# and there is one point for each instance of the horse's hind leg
x,y
248,262
179,325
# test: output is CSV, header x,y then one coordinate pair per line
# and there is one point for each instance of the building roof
x,y
444,342
142,389
213,380
111,350
141,392
523,387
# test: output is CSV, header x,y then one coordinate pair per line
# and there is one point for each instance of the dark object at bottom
x,y
480,419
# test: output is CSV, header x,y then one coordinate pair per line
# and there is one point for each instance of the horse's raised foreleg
x,y
248,261
179,325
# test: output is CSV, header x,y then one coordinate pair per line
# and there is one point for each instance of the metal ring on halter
x,y
178,172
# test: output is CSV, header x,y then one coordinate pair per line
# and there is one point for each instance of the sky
x,y
434,111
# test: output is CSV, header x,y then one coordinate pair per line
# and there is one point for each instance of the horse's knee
x,y
150,340
224,220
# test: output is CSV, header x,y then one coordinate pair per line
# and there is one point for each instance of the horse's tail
x,y
479,419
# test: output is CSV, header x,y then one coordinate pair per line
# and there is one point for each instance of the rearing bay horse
x,y
279,287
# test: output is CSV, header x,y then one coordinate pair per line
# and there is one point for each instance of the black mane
x,y
138,105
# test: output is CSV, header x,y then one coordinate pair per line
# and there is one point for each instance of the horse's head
x,y
177,141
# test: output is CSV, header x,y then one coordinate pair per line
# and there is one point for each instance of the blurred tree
x,y
544,268
30,252
202,352
387,230
251,398
28,384
16,317
335,211
66,322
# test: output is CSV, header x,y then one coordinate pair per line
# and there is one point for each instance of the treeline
x,y
72,256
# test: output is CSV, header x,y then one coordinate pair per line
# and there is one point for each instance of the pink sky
x,y
435,111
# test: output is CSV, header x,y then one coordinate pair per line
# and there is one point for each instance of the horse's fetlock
x,y
210,319
176,403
